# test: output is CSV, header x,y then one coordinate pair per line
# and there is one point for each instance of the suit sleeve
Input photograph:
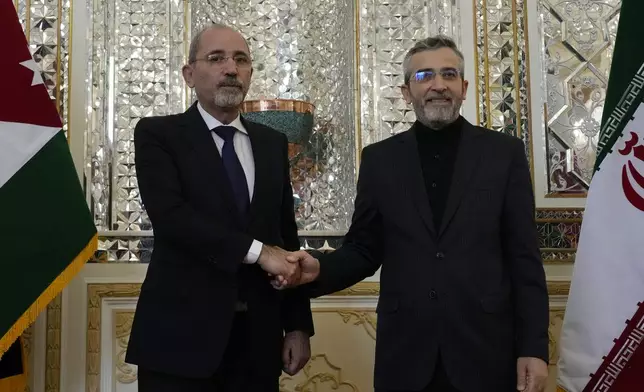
x,y
360,255
172,217
296,313
521,250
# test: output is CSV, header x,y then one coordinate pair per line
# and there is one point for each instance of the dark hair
x,y
432,43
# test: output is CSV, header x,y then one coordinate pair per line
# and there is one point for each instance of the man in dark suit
x,y
447,210
217,190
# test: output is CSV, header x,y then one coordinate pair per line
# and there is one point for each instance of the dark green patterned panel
x,y
297,126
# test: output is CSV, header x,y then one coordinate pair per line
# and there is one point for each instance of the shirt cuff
x,y
253,252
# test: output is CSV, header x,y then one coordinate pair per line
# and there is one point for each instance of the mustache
x,y
230,83
438,96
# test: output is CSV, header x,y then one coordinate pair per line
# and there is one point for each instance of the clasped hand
x,y
288,269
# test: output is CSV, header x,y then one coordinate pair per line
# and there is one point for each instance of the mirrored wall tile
x,y
387,30
576,49
303,50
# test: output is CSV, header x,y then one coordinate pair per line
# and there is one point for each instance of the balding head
x,y
196,39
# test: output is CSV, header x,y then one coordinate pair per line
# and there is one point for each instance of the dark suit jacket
x,y
187,300
475,288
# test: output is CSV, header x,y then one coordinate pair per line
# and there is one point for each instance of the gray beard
x,y
228,99
437,118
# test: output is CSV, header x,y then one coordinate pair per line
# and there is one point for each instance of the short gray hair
x,y
194,43
432,43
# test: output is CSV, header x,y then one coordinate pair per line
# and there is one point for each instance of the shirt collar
x,y
213,123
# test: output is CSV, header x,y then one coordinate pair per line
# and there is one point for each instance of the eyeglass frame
x,y
458,73
226,58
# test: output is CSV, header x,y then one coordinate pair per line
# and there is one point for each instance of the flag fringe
x,y
560,389
48,295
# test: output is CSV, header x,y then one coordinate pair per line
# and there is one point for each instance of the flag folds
x,y
600,345
46,228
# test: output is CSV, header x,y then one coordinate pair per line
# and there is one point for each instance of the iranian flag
x,y
601,341
46,229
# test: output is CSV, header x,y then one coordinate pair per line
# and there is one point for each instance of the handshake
x,y
288,269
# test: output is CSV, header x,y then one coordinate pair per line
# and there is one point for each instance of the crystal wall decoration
x,y
136,56
386,31
303,49
576,47
503,94
46,25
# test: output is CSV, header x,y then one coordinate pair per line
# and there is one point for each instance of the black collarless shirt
x,y
437,150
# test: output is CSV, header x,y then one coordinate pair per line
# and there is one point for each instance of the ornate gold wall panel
x,y
52,345
576,50
502,75
342,350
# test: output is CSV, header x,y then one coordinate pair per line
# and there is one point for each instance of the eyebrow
x,y
432,69
235,53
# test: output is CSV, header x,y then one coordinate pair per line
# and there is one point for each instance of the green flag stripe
x,y
45,225
626,79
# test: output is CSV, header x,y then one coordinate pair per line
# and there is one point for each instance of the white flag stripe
x,y
608,276
19,143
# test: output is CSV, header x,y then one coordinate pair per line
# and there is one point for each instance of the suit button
x,y
440,255
432,294
212,259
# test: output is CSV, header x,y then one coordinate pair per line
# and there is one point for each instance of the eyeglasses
x,y
241,61
428,74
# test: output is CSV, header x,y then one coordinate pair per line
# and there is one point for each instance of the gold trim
x,y
476,65
186,46
561,195
358,90
282,105
59,66
372,289
528,92
517,88
70,39
28,23
52,344
486,67
95,293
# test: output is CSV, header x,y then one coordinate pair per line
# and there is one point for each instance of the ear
x,y
405,92
465,84
187,75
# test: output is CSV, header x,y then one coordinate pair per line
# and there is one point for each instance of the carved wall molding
x,y
365,318
53,338
125,373
318,372
555,287
95,294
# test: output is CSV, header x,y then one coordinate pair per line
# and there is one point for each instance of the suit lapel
x,y
263,165
413,180
467,159
205,148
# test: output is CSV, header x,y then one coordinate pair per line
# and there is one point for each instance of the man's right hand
x,y
273,260
309,270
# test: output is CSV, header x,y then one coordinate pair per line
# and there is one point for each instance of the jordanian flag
x,y
46,229
601,342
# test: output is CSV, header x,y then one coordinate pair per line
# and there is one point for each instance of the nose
x,y
438,84
230,67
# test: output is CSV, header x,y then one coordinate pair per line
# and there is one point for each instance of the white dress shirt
x,y
244,152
